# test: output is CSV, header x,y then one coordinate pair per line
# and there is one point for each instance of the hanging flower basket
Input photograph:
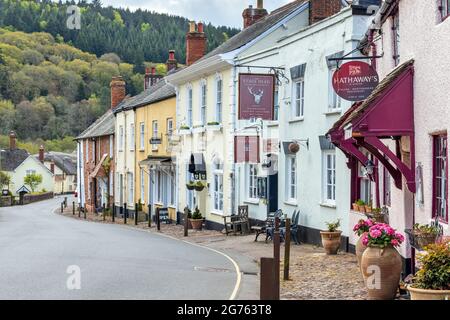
x,y
199,186
190,185
294,147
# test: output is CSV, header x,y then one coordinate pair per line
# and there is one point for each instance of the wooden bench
x,y
265,227
237,222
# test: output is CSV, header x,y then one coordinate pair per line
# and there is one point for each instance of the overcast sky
x,y
218,12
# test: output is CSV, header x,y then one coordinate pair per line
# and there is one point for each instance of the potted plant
x,y
214,125
361,206
432,281
381,262
368,207
424,235
355,207
196,220
190,185
189,216
184,129
199,186
361,229
331,238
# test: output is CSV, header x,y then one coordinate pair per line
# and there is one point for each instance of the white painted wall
x,y
31,163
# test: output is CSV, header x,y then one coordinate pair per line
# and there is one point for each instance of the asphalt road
x,y
116,262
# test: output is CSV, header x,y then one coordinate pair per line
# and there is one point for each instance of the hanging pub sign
x,y
256,96
355,80
246,149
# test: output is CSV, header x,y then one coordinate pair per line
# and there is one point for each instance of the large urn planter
x,y
424,294
331,241
381,269
360,248
196,223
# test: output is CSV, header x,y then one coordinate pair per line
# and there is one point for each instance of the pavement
x,y
44,255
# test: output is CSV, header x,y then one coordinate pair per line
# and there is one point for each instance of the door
x,y
272,193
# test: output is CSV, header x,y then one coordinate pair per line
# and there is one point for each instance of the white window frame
x,y
155,133
329,171
189,106
142,136
298,98
219,99
172,187
169,127
217,197
276,103
252,181
203,102
130,186
334,101
120,138
132,137
291,178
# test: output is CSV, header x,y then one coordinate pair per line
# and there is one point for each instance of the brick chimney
x,y
195,43
252,15
117,91
41,153
151,78
12,140
322,9
171,63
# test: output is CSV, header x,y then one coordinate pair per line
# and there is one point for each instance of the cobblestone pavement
x,y
313,274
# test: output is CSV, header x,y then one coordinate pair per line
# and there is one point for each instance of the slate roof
x,y
104,126
160,91
255,30
69,166
11,159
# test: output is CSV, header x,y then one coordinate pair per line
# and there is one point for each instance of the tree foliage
x,y
33,180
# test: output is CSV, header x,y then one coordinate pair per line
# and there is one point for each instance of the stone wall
x,y
30,198
6,201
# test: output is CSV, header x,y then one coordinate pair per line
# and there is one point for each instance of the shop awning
x,y
388,113
98,170
156,161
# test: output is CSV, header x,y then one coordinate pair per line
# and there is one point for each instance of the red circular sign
x,y
355,80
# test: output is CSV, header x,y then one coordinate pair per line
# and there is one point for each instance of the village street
x,y
116,262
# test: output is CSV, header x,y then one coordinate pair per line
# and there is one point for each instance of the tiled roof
x,y
160,91
64,161
11,159
252,32
104,126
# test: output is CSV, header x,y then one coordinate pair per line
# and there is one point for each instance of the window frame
x,y
219,100
203,102
396,37
298,99
142,136
252,182
169,127
276,103
444,219
325,182
291,178
155,133
142,185
121,138
132,137
334,100
189,107
217,196
444,7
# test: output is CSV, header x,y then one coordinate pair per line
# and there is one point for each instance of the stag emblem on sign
x,y
256,95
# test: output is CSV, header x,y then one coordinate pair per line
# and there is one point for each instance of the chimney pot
x,y
195,43
200,27
191,26
117,86
153,70
147,71
260,4
171,63
12,140
252,15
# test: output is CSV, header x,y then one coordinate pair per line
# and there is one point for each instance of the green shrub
x,y
333,226
435,271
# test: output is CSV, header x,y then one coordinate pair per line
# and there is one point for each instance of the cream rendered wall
x,y
125,157
423,37
213,144
31,163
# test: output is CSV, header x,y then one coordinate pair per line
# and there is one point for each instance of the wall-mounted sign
x,y
246,149
155,141
355,80
256,96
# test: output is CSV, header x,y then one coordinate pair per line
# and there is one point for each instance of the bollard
x,y
125,213
149,215
62,207
113,213
85,211
104,212
186,222
276,257
287,249
65,202
79,211
158,223
73,208
136,208
267,281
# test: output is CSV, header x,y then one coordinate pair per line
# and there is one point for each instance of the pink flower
x,y
389,231
375,233
365,240
395,242
399,237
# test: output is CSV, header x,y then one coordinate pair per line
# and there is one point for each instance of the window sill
x,y
291,203
252,201
272,123
215,127
142,150
185,132
333,112
295,120
328,205
199,130
217,213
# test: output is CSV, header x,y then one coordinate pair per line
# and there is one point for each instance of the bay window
x,y
440,177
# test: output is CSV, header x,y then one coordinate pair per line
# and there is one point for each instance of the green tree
x,y
5,180
33,180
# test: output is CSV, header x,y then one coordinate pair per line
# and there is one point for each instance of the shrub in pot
x,y
381,264
425,234
432,281
361,229
190,185
361,206
368,207
196,220
331,238
355,207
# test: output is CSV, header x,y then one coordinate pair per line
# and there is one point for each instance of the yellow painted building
x,y
156,177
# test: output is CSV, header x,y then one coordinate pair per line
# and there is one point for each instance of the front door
x,y
272,193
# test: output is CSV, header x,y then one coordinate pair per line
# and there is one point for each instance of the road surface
x,y
38,248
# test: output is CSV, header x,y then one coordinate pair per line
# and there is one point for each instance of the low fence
x,y
30,198
6,201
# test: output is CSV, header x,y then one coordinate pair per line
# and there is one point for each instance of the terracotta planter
x,y
362,209
331,241
360,248
196,223
424,294
368,209
381,270
355,207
